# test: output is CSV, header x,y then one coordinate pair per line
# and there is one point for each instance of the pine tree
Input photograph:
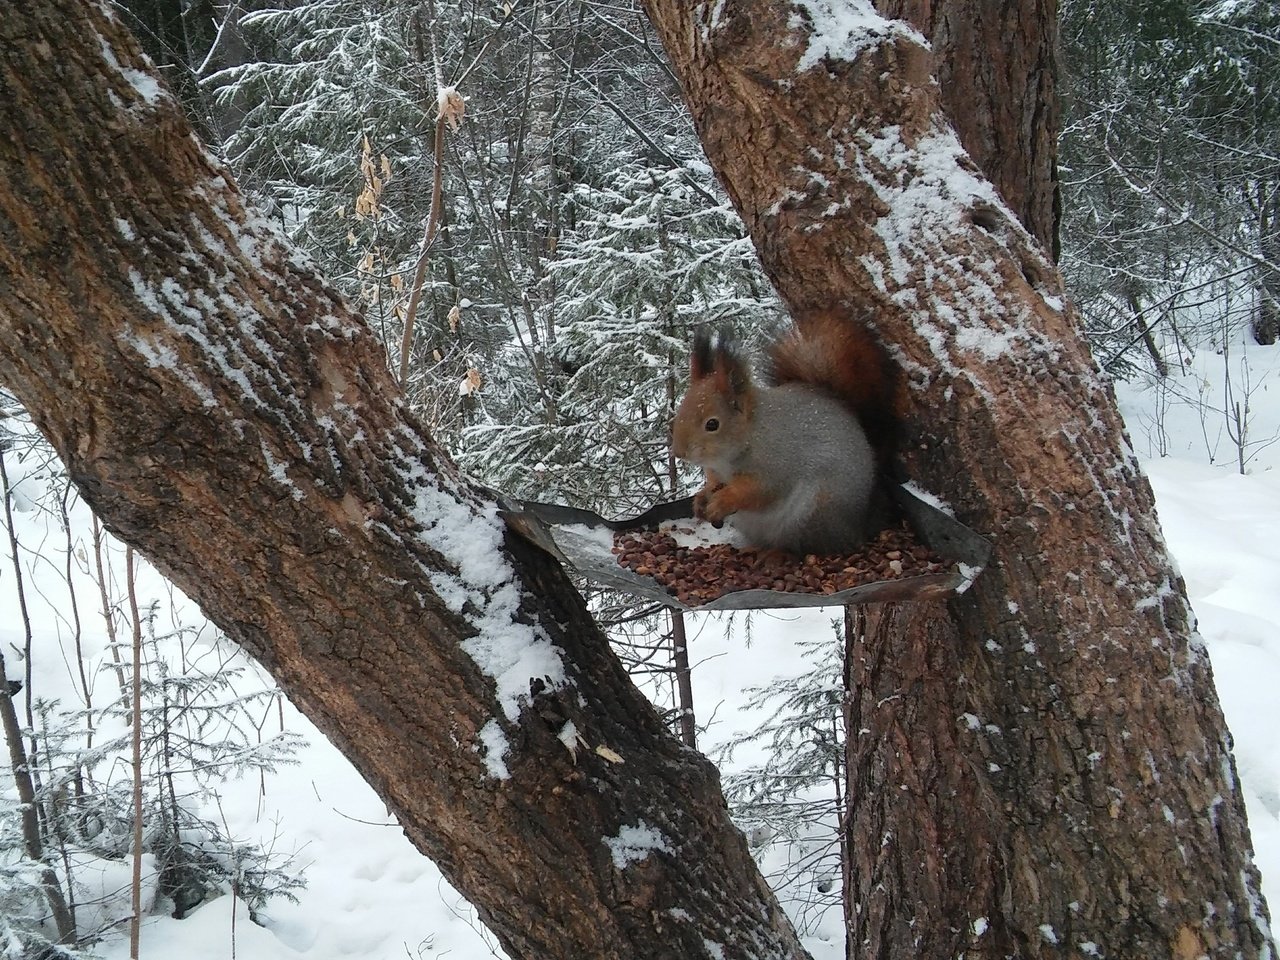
x,y
1243,69
647,259
199,729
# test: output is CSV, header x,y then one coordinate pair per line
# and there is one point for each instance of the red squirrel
x,y
794,460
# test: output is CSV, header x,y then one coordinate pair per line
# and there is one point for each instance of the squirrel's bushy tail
x,y
839,354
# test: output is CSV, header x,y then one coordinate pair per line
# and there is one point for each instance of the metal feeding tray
x,y
583,541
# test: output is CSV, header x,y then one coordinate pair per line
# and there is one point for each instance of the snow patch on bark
x,y
146,86
844,29
459,537
1257,909
171,303
481,586
709,16
926,186
496,747
633,844
162,356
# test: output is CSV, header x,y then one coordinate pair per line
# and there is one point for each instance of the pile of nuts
x,y
699,574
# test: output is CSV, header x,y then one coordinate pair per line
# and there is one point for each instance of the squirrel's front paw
x,y
700,503
701,499
710,507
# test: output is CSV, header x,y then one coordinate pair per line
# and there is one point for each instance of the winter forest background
x,y
576,235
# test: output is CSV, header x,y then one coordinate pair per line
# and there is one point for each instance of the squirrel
x,y
795,460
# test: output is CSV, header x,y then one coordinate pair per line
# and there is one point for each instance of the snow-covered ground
x,y
371,895
1224,530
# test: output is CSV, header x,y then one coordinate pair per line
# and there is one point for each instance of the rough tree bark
x,y
226,414
1043,768
997,77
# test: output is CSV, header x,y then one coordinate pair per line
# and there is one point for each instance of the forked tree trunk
x,y
1043,769
225,413
997,77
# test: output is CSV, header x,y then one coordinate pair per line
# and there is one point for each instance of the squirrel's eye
x,y
712,425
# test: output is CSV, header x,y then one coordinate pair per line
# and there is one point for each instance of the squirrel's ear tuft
x,y
702,359
732,368
718,354
737,373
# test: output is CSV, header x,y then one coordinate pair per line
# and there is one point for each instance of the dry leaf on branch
x,y
470,383
451,106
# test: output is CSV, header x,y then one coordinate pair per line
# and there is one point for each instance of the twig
x,y
420,272
135,922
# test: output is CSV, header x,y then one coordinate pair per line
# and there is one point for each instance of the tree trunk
x,y
19,757
32,844
1043,769
225,413
1266,319
998,81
